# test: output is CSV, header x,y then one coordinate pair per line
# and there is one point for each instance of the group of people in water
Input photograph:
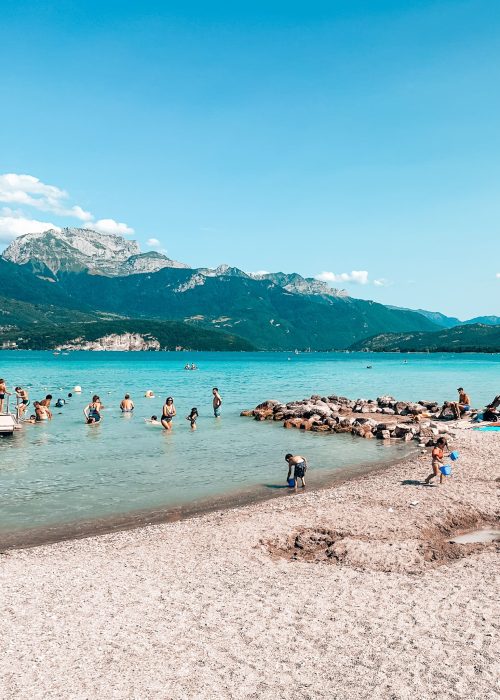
x,y
93,410
169,412
42,409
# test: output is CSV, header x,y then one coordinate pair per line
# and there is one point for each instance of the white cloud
x,y
382,282
498,275
356,277
32,192
80,213
13,224
29,191
153,242
111,226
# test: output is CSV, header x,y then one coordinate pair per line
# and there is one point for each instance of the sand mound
x,y
429,549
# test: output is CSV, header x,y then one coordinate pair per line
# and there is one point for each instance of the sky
x,y
356,141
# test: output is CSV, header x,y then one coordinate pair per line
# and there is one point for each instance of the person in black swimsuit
x,y
298,465
168,413
92,412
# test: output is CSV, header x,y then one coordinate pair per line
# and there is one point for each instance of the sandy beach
x,y
349,592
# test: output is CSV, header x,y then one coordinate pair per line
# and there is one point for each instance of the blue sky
x,y
311,137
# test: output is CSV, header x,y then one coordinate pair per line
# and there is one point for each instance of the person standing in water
x,y
192,418
298,466
3,393
92,412
40,412
168,413
216,402
22,401
127,405
46,403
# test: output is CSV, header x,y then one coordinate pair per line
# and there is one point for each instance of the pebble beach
x,y
354,591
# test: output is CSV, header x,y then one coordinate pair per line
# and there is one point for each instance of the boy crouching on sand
x,y
437,461
299,466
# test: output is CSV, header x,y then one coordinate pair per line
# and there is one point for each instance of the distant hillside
x,y
468,338
168,334
19,314
279,312
266,314
486,320
450,321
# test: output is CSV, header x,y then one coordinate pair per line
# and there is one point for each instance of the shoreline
x,y
351,592
82,529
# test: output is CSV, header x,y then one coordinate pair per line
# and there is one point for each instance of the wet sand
x,y
78,529
347,592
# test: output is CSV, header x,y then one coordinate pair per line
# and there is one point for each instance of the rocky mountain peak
x,y
78,249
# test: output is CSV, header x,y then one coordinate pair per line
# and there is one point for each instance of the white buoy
x,y
77,389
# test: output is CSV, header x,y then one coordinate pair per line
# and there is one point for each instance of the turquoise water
x,y
64,471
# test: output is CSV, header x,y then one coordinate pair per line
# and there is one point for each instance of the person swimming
x,y
168,413
152,421
127,405
192,418
92,411
59,403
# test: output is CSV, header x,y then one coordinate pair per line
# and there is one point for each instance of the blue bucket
x,y
291,483
445,470
454,456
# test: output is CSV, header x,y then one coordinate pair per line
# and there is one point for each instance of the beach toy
x,y
454,455
445,470
291,483
77,389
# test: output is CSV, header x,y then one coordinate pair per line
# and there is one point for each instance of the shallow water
x,y
64,470
482,536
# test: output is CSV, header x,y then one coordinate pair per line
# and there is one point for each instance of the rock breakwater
x,y
385,418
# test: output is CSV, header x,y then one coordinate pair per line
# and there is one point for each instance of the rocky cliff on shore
x,y
384,418
126,342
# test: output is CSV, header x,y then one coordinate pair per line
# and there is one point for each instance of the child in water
x,y
152,421
192,418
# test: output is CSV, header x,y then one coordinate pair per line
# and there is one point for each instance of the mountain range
x,y
78,276
478,337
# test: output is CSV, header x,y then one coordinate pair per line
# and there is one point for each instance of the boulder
x,y
267,404
339,428
292,423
